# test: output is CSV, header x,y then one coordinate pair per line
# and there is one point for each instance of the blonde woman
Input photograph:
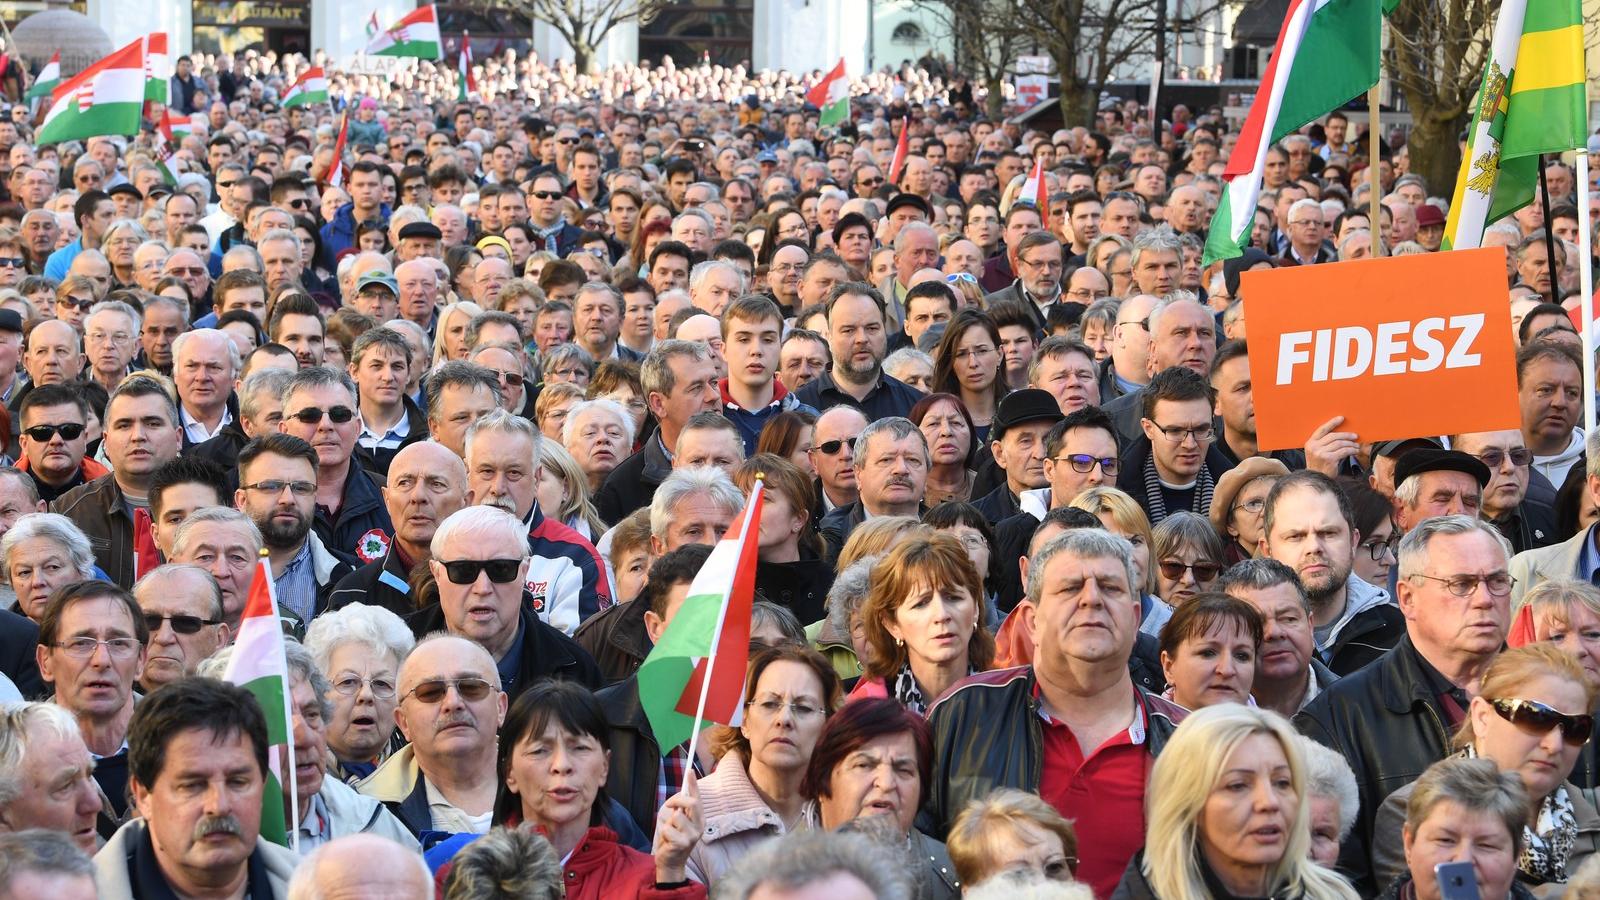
x,y
1228,816
451,338
564,492
1010,834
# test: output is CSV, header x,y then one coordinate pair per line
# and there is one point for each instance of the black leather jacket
x,y
987,734
1387,723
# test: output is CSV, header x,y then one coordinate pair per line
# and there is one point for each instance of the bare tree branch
x,y
584,24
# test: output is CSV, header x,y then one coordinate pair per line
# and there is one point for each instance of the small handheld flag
x,y
901,149
416,35
335,176
468,83
831,96
49,79
311,87
1036,189
106,98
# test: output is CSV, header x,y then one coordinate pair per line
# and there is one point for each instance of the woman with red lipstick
x,y
923,622
1228,815
1532,716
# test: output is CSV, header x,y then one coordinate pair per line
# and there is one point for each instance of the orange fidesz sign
x,y
1406,346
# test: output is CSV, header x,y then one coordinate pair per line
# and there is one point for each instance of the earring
x,y
899,642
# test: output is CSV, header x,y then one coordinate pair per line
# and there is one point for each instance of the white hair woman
x,y
361,648
1334,798
42,552
1227,814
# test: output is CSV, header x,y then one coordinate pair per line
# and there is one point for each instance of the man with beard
x,y
278,490
858,338
566,577
1309,527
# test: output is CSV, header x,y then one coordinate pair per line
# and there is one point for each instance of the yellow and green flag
x,y
1531,102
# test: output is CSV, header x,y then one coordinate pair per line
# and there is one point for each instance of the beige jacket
x,y
737,820
111,864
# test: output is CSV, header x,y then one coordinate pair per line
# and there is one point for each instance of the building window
x,y
907,33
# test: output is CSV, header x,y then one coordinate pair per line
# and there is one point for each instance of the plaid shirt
x,y
674,766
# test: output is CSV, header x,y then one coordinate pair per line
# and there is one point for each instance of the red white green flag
x,y
106,98
335,176
417,34
468,83
1036,189
901,149
171,127
49,79
157,67
1327,54
695,674
831,95
311,87
260,666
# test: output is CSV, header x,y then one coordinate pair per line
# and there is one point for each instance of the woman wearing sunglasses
x,y
1208,651
1532,716
1188,557
1566,613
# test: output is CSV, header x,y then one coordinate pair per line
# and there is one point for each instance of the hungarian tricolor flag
x,y
335,176
695,674
311,87
831,95
1036,189
157,67
49,79
372,25
259,665
900,150
417,34
171,127
105,98
469,84
1531,101
175,127
1327,53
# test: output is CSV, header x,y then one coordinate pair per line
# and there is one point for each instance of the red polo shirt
x,y
1102,793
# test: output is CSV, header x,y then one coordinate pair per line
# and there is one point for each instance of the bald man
x,y
362,865
427,482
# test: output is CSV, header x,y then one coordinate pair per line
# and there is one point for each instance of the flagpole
x,y
1374,212
1585,287
1549,237
716,636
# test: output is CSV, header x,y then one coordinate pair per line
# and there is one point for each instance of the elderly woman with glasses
x,y
361,649
1239,504
1010,834
1531,718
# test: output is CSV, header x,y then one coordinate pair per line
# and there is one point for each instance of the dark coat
x,y
19,637
632,484
546,652
635,757
361,513
617,640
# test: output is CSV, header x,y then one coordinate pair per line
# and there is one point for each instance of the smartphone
x,y
695,144
1456,881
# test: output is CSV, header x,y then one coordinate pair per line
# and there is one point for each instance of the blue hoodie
x,y
340,233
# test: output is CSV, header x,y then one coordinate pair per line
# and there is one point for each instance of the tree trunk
x,y
1435,151
995,103
582,56
1075,98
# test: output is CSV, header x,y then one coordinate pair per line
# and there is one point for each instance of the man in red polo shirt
x,y
1073,727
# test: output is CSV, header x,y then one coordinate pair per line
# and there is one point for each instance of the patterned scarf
x,y
1547,844
907,692
1156,504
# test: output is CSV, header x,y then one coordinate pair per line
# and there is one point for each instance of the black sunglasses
x,y
1535,718
466,571
1172,570
76,302
69,431
181,624
832,447
312,415
545,195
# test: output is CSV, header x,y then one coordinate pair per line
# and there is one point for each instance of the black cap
x,y
1026,405
899,200
1430,459
10,320
1402,446
421,230
124,188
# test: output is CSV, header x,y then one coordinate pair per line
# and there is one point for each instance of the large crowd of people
x,y
1037,616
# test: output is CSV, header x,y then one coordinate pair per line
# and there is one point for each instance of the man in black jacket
x,y
680,380
1017,441
892,472
1394,718
1073,727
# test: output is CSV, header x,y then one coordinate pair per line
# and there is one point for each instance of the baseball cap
x,y
1026,405
379,278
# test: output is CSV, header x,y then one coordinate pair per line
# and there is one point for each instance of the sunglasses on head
x,y
471,689
832,447
1172,570
312,415
466,571
181,624
69,431
1537,719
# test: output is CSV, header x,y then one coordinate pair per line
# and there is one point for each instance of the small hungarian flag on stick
x,y
335,176
372,25
695,674
1327,53
311,87
171,127
106,98
469,84
900,150
157,67
260,665
1036,190
417,34
176,126
49,79
831,95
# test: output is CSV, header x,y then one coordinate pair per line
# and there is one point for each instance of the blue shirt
x,y
1589,559
512,662
297,584
59,262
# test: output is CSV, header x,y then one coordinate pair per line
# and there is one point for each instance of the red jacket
x,y
602,869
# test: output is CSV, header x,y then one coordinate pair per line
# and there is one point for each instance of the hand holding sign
x,y
1397,347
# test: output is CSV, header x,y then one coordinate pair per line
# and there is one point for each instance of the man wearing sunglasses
x,y
1395,717
182,606
1525,522
54,439
320,408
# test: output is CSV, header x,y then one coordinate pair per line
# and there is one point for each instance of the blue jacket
x,y
751,421
361,515
57,263
340,233
367,132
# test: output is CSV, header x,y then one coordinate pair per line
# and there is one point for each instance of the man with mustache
x,y
188,842
891,462
427,483
277,490
565,576
451,705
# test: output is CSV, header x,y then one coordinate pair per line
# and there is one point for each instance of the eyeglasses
x,y
1083,463
1172,570
69,431
1535,718
274,487
471,689
115,337
510,378
1048,265
312,415
1253,507
82,304
12,262
545,195
466,571
1498,583
1177,434
85,647
831,448
1378,549
770,707
1521,457
181,624
382,688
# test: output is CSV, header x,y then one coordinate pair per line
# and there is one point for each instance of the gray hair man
x,y
679,380
47,775
692,506
891,467
45,864
1157,260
